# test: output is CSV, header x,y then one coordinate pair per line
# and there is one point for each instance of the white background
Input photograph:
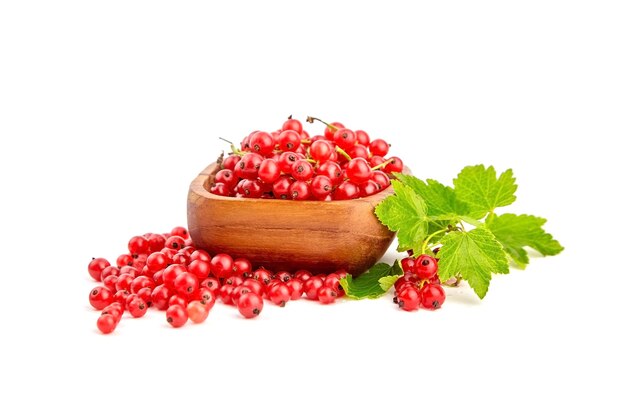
x,y
109,109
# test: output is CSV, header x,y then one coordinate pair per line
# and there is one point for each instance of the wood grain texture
x,y
319,236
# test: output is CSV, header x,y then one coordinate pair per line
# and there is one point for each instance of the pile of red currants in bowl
x,y
290,164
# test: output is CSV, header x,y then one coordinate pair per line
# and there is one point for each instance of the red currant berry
x,y
212,284
296,288
329,131
175,242
100,297
250,305
326,295
106,323
222,265
358,170
312,287
379,147
226,293
248,167
201,255
280,188
262,275
206,297
347,190
292,124
140,282
242,268
161,296
200,268
177,300
368,188
137,307
220,189
125,259
321,150
332,170
395,165
432,296
156,242
186,284
321,186
288,140
381,179
96,266
176,315
156,261
197,311
138,244
279,294
269,171
344,138
409,298
180,231
226,177
254,285
300,190
302,170
230,162
425,267
362,137
262,143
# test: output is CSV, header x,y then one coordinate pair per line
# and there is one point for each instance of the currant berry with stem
x,y
425,267
292,124
331,128
358,170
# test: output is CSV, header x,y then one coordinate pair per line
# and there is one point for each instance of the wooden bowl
x,y
285,235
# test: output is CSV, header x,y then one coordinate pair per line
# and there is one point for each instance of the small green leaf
x,y
517,231
404,212
482,192
367,285
475,255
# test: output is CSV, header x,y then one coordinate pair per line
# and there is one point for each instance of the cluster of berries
x,y
166,272
420,285
290,164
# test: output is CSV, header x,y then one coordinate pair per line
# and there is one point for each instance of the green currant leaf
x,y
367,285
482,192
515,232
475,255
404,212
440,200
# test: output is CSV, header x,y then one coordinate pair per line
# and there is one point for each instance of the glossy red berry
x,y
312,287
296,288
292,124
326,295
344,138
289,140
409,298
137,307
100,297
222,265
358,170
250,305
176,315
161,297
262,143
96,266
279,294
106,323
433,296
379,147
138,244
269,171
425,267
197,311
175,242
186,284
